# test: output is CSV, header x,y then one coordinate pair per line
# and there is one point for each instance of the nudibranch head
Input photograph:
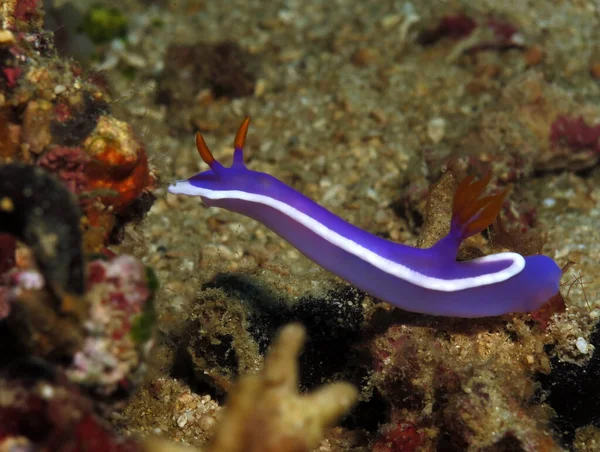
x,y
220,180
238,143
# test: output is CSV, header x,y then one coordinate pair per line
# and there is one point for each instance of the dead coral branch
x,y
265,412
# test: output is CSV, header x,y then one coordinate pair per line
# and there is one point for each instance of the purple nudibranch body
x,y
429,281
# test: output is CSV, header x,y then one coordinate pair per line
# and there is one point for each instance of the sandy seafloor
x,y
352,110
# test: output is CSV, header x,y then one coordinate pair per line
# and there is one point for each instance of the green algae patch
x,y
102,24
143,325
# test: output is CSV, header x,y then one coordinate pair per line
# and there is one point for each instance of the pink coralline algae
x,y
457,26
14,283
12,74
26,9
503,30
68,163
572,143
575,133
119,325
405,436
502,34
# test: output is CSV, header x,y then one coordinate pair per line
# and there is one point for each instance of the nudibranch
x,y
429,281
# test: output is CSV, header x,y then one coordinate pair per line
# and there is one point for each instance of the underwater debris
x,y
36,208
265,412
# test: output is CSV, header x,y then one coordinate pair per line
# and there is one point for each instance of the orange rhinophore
x,y
203,150
240,136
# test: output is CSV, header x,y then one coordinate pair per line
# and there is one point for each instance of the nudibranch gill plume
x,y
429,281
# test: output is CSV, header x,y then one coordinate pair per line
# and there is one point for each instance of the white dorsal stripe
x,y
385,265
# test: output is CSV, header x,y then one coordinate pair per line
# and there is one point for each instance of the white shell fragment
x,y
582,345
436,129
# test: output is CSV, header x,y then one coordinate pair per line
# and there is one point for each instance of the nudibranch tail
x,y
471,214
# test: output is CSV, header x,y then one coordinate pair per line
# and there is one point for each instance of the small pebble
x,y
530,359
47,391
207,422
364,56
6,204
379,116
260,87
182,420
390,21
582,345
436,129
7,37
534,55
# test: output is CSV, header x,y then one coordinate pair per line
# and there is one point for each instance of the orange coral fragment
x,y
118,170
